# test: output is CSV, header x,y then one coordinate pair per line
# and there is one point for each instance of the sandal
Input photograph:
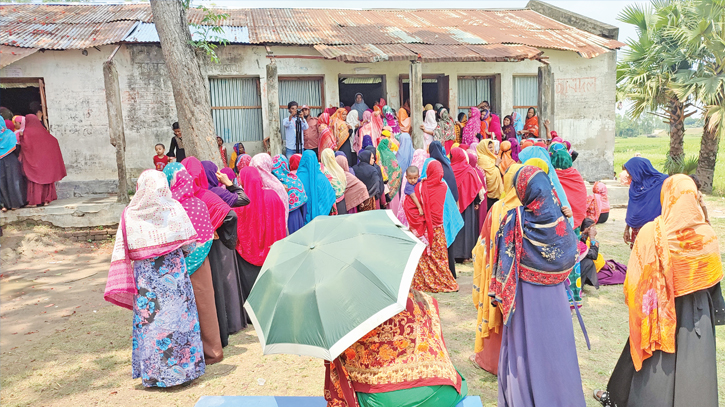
x,y
472,359
603,398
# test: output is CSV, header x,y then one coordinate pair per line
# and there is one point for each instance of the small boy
x,y
412,176
160,159
700,199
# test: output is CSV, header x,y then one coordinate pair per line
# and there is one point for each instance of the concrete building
x,y
54,54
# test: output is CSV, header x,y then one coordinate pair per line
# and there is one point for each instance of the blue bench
x,y
278,401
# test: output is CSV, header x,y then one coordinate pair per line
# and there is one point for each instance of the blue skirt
x,y
297,219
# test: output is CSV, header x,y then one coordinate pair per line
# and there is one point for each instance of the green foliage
x,y
685,165
209,30
626,126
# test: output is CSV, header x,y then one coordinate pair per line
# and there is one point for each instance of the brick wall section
x,y
92,234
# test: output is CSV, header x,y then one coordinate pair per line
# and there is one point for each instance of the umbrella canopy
x,y
327,285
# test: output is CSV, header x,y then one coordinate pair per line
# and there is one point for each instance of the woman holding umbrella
x,y
433,273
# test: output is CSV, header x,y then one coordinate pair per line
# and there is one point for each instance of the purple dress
x,y
538,365
167,349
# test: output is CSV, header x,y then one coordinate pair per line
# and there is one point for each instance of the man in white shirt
x,y
294,137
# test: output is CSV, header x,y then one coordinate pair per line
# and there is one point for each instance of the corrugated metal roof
x,y
8,55
146,32
429,53
350,35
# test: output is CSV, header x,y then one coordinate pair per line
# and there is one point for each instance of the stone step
x,y
71,212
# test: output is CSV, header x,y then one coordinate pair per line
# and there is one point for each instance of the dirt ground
x,y
63,345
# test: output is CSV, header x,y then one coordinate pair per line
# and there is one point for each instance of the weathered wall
x,y
77,109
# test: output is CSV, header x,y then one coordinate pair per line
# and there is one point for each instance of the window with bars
x,y
526,94
305,91
473,90
236,108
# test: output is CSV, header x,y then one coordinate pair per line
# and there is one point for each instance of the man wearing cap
x,y
312,134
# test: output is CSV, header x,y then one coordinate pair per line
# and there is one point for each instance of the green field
x,y
655,149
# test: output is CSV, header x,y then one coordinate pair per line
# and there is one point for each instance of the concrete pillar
x,y
546,99
274,132
416,103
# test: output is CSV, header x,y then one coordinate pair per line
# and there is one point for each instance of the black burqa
x,y
370,175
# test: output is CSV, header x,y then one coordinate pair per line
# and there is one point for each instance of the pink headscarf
x,y
473,127
182,189
263,162
243,161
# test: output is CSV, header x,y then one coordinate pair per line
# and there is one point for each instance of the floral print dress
x,y
167,349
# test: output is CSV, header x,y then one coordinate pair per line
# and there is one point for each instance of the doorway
x,y
372,88
17,94
435,89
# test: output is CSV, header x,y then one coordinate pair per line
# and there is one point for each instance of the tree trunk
x,y
708,156
115,125
677,130
193,107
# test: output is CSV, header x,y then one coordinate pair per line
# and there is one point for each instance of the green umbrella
x,y
331,282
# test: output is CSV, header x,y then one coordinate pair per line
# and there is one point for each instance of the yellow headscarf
x,y
484,255
538,162
674,255
487,164
332,168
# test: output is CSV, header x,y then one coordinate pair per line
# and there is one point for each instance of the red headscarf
x,y
40,153
261,223
294,162
431,193
327,136
182,189
218,209
576,193
467,179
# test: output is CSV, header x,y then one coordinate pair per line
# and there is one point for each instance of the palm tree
x,y
649,67
701,33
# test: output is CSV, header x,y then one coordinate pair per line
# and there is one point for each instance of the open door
x,y
443,90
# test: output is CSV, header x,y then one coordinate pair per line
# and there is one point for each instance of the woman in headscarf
x,y
366,129
295,192
403,120
197,263
598,203
148,275
404,156
320,194
392,169
377,128
469,185
531,127
419,157
460,125
518,124
644,191
381,202
391,121
366,172
225,274
261,224
482,204
508,132
336,176
359,106
263,163
488,324
221,185
536,250
355,191
573,184
353,124
342,131
429,125
505,156
472,128
436,152
673,293
378,371
237,150
241,162
327,136
445,132
541,153
12,184
433,273
487,164
294,162
42,162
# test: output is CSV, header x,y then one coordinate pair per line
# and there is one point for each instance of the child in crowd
x,y
160,159
412,175
700,197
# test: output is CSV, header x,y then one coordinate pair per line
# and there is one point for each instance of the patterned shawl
x,y
355,191
404,352
674,255
320,194
541,153
445,130
487,164
334,172
536,243
152,225
243,161
391,167
218,209
263,162
339,128
327,137
295,189
473,127
377,128
419,157
261,223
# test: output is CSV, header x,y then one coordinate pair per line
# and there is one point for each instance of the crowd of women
x,y
191,244
30,162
